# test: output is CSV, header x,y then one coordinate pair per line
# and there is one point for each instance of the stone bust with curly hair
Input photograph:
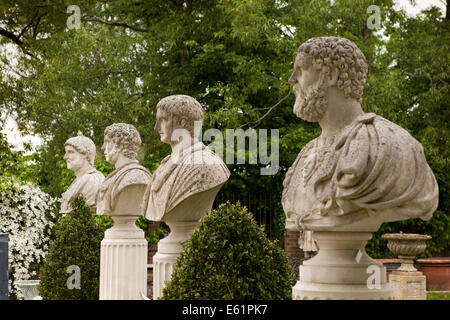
x,y
122,144
362,171
361,165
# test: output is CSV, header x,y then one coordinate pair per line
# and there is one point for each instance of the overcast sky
x,y
17,140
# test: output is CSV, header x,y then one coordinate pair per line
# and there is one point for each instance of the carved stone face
x,y
309,89
75,160
111,150
164,126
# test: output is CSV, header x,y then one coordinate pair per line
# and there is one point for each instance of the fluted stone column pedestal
x,y
342,270
123,261
168,250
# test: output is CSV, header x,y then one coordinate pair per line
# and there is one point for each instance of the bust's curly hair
x,y
126,135
332,52
182,106
84,146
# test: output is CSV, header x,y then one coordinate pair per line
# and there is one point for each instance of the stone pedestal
x,y
342,270
123,261
408,285
182,221
168,250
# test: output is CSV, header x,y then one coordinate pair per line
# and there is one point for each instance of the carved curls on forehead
x,y
303,60
332,52
83,145
182,106
126,136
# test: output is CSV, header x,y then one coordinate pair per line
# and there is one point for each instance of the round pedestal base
x,y
342,270
323,291
168,250
162,271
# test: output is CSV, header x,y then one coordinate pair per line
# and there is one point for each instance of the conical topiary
x,y
230,257
71,270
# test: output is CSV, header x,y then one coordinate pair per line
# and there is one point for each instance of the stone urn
x,y
29,289
406,246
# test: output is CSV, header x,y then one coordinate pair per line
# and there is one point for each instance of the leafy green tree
x,y
229,257
235,57
410,87
15,163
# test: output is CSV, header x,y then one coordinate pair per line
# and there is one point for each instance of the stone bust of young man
x,y
122,143
79,156
362,166
190,169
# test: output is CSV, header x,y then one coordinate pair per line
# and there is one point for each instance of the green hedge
x,y
230,257
77,243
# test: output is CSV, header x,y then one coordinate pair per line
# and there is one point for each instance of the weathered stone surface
x,y
184,185
121,146
123,260
190,169
362,165
362,170
408,285
79,156
406,246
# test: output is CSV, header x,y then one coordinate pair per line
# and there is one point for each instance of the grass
x,y
438,296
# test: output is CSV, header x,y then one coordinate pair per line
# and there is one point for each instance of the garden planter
x,y
29,289
406,246
406,281
437,271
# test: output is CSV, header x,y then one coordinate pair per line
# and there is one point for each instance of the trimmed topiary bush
x,y
75,250
229,257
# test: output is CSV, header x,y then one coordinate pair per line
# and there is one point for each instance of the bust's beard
x,y
311,106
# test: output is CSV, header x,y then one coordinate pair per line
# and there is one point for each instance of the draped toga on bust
x,y
129,174
87,185
371,167
194,170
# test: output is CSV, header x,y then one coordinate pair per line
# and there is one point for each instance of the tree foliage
x,y
235,57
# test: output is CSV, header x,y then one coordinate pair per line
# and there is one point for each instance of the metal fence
x,y
261,205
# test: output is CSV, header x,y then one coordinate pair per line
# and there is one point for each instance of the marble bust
x,y
190,169
362,167
79,156
184,185
122,143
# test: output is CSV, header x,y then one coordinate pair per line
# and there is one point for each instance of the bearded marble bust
x,y
79,156
192,173
122,143
362,167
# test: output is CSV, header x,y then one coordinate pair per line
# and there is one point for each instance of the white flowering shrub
x,y
27,215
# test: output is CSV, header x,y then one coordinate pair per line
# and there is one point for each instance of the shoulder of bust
x,y
135,175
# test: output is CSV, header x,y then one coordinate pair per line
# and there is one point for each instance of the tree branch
x,y
270,110
90,18
11,36
27,26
